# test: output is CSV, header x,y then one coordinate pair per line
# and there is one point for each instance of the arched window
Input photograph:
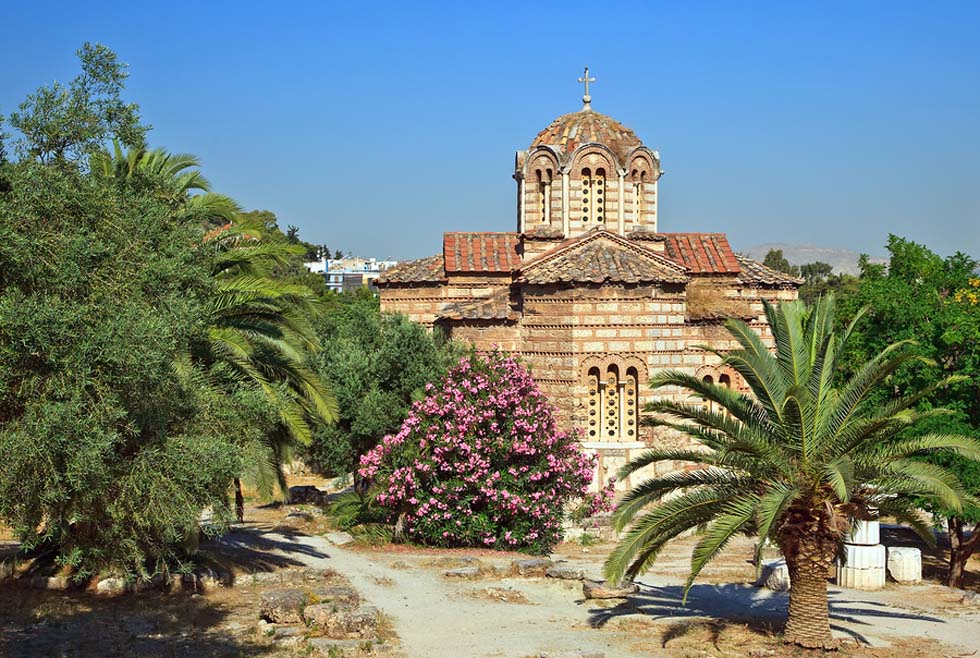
x,y
613,409
630,403
611,412
708,379
587,204
639,182
544,195
599,203
725,380
595,403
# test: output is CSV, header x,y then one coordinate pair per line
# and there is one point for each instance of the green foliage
x,y
61,123
376,364
920,297
797,460
360,515
775,259
107,453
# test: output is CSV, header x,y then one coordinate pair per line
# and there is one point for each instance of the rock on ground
x,y
532,566
283,606
598,590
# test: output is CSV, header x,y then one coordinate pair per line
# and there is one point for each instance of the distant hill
x,y
844,261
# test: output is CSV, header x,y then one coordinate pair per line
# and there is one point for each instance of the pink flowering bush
x,y
481,462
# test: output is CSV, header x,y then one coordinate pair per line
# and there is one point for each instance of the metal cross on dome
x,y
587,100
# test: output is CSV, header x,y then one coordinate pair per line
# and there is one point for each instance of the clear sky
x,y
375,127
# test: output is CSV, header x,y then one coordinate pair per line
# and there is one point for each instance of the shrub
x,y
481,462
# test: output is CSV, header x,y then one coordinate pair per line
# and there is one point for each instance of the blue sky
x,y
376,127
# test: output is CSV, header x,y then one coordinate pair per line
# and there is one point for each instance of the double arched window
x,y
639,179
593,195
544,195
613,404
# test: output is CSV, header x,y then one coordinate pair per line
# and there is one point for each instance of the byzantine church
x,y
588,290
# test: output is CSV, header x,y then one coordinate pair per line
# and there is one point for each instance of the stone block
x,y
774,575
864,557
905,564
282,606
599,590
464,572
532,566
864,579
565,573
865,533
111,586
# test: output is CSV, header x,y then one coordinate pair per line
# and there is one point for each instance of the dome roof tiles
x,y
569,131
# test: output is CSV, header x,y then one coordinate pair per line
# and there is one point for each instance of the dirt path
x,y
439,617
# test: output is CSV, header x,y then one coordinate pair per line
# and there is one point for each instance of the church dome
x,y
571,130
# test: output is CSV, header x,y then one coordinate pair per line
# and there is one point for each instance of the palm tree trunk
x,y
808,560
239,501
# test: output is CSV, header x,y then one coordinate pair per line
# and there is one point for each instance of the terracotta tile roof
x,y
600,257
755,273
495,307
569,131
481,252
703,253
428,269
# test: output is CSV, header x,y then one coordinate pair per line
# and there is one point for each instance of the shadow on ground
x,y
248,550
745,605
38,623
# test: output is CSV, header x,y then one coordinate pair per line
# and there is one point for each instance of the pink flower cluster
x,y
481,462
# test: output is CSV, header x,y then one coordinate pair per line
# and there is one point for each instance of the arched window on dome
x,y
599,203
587,196
639,182
544,195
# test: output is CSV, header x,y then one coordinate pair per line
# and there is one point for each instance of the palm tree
x,y
260,331
798,461
176,175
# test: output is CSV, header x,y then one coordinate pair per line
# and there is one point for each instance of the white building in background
x,y
347,274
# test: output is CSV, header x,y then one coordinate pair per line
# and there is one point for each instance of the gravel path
x,y
439,617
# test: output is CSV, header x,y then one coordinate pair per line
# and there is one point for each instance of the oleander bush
x,y
480,461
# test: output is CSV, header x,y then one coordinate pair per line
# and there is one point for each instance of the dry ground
x,y
224,622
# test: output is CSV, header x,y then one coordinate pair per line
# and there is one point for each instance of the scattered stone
x,y
325,645
339,538
905,564
464,572
58,583
501,594
340,623
362,622
593,589
265,628
263,578
325,617
282,606
111,586
307,494
399,564
337,595
6,569
970,598
774,575
533,566
565,573
319,573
